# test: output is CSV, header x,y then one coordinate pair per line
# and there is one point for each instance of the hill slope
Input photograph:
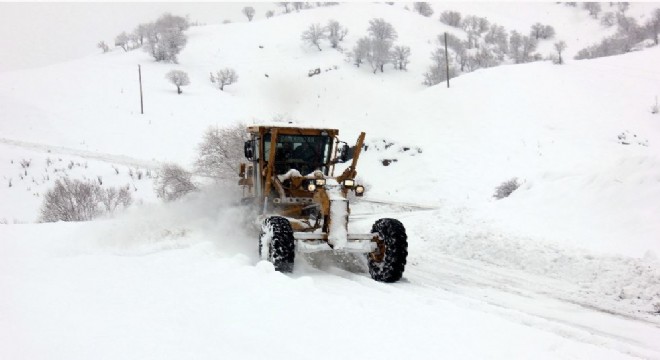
x,y
556,128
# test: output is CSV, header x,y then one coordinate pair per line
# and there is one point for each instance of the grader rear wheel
x,y
388,261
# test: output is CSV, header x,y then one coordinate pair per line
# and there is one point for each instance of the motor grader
x,y
303,207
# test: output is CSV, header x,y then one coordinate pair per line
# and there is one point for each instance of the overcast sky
x,y
38,34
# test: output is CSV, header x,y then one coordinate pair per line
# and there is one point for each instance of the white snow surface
x,y
166,282
565,267
289,174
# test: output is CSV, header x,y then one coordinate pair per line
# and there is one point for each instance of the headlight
x,y
319,182
311,187
349,183
359,190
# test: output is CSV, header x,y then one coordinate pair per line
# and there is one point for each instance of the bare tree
x,y
285,5
178,78
653,25
400,57
423,8
298,5
380,29
336,33
112,198
360,51
540,31
453,42
269,14
593,8
168,21
515,44
627,25
71,200
459,47
623,7
140,33
248,11
608,19
482,58
560,46
165,37
165,45
122,40
133,41
451,18
103,46
631,35
613,45
221,151
313,35
497,36
76,200
537,30
474,26
548,32
521,47
380,54
224,77
528,46
173,182
437,73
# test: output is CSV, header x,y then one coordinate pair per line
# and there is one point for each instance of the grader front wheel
x,y
276,243
388,261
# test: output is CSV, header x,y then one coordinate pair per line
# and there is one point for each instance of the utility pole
x,y
447,60
140,78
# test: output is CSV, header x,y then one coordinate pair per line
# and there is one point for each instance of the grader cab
x,y
302,206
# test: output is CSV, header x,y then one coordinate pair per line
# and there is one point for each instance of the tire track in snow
x,y
542,302
521,299
566,319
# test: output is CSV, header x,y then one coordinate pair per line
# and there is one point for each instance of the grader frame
x,y
301,205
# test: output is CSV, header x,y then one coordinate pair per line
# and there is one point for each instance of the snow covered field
x,y
566,267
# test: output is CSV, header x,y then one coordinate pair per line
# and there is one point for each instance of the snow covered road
x,y
85,154
166,283
539,303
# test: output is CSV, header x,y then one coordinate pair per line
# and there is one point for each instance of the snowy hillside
x,y
565,267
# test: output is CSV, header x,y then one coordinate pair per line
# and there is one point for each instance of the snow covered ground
x,y
566,267
163,282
